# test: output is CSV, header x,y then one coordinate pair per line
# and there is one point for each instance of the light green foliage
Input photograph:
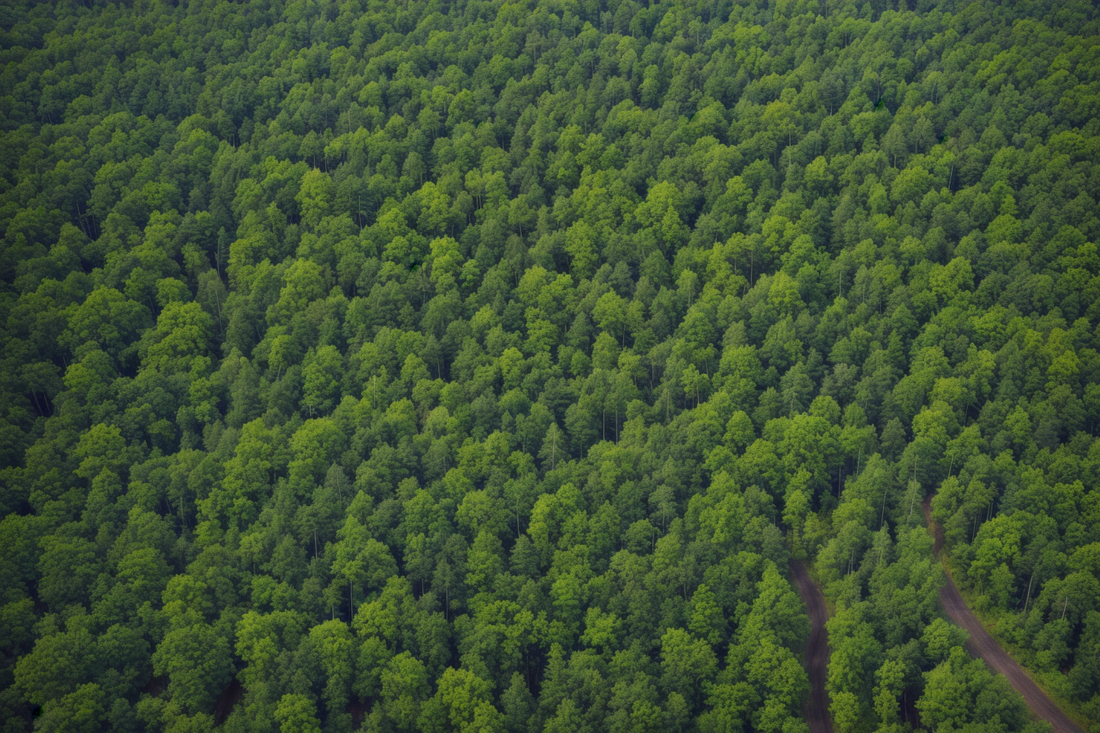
x,y
297,714
480,366
196,659
961,691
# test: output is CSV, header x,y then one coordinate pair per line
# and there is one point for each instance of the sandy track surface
x,y
982,645
815,708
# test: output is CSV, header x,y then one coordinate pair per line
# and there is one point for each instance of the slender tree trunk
x,y
1029,582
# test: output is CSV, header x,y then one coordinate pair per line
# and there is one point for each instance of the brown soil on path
x,y
815,708
982,645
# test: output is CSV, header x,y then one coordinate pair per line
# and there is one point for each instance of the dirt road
x,y
815,708
981,644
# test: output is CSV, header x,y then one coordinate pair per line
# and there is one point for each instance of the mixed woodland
x,y
405,365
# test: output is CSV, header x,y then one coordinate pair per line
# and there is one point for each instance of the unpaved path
x,y
815,708
982,645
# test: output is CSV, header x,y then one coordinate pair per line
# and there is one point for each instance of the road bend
x,y
982,645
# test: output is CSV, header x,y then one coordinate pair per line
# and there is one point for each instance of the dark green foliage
x,y
479,366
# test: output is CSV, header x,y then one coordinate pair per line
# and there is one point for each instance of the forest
x,y
408,365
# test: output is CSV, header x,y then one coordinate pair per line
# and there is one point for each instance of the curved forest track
x,y
984,646
815,708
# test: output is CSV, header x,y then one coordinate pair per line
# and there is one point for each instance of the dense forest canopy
x,y
397,365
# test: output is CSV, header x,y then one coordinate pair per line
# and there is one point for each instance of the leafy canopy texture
x,y
480,366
